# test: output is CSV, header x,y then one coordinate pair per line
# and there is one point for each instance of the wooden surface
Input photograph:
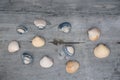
x,y
16,12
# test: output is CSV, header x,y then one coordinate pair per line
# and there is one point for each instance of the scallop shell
x,y
13,46
69,50
38,41
72,66
65,27
94,34
40,23
101,51
46,62
27,58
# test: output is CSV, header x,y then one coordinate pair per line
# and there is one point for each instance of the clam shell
x,y
13,46
21,29
38,41
101,51
72,66
46,62
40,23
65,27
94,34
27,58
69,50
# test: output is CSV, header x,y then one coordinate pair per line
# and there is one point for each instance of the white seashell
x,y
69,50
38,41
22,29
101,51
13,46
94,34
46,62
65,29
40,23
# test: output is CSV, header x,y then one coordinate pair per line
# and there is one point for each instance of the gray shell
x,y
21,29
27,58
67,51
65,27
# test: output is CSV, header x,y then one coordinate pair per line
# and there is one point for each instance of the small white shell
x,y
46,62
21,29
38,41
94,34
40,23
101,51
65,29
69,50
13,46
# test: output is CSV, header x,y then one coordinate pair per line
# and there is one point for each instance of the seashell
x,y
27,58
101,51
40,23
21,29
72,66
46,62
65,27
69,50
94,34
38,41
13,46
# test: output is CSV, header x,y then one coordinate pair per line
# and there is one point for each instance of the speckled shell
x,y
38,41
65,27
72,66
13,46
101,51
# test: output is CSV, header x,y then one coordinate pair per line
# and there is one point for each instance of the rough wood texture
x,y
82,16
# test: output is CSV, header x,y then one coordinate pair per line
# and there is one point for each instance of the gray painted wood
x,y
82,17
